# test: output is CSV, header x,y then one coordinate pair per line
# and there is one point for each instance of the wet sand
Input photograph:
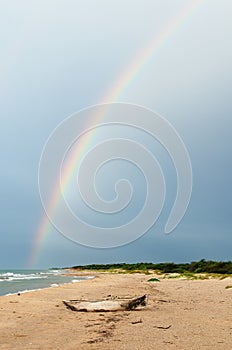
x,y
181,314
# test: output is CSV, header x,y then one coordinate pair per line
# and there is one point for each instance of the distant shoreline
x,y
195,267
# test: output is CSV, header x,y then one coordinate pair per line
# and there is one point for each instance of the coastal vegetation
x,y
153,280
195,267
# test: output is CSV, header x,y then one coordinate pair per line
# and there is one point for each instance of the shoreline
x,y
50,284
181,314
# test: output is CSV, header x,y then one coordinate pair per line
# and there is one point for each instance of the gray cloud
x,y
58,57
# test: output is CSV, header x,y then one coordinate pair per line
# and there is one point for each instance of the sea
x,y
22,281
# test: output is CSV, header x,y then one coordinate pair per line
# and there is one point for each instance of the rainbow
x,y
113,95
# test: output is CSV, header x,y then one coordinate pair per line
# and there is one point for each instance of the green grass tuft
x,y
153,280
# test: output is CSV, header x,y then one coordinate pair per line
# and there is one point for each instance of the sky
x,y
58,57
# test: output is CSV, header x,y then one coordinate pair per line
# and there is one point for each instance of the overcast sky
x,y
59,56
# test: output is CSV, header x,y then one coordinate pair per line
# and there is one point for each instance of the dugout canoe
x,y
113,304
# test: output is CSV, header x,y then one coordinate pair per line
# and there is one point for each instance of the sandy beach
x,y
181,314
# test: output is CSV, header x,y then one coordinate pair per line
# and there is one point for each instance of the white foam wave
x,y
10,276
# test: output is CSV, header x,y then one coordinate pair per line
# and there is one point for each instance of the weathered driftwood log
x,y
106,305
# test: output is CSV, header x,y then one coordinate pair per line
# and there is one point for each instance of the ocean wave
x,y
51,272
89,277
20,278
7,274
10,276
23,281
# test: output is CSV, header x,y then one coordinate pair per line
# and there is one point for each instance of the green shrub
x,y
153,280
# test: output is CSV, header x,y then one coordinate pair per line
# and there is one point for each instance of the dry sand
x,y
181,314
